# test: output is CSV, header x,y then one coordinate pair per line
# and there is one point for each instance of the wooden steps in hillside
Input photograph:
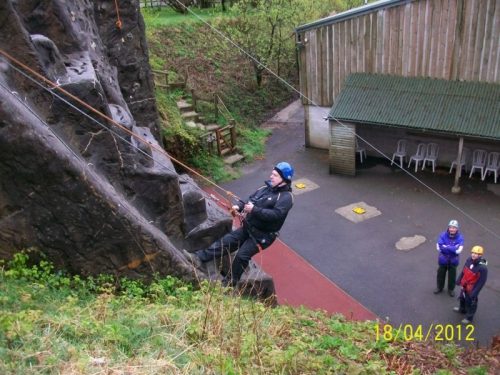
x,y
219,140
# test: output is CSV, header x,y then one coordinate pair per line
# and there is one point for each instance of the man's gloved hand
x,y
234,210
248,207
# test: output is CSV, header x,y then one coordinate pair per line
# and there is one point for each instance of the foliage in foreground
x,y
53,323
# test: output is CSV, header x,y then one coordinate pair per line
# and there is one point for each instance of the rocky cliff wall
x,y
87,193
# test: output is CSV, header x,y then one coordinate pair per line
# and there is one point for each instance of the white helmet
x,y
453,223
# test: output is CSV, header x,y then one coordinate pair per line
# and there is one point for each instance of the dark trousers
x,y
468,305
441,276
238,240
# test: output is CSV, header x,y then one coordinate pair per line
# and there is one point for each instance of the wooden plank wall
x,y
447,39
342,154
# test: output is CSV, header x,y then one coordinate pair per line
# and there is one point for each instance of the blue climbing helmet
x,y
285,170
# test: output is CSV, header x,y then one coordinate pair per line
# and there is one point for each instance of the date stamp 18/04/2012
x,y
434,332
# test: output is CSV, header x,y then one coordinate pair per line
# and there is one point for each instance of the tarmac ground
x,y
361,258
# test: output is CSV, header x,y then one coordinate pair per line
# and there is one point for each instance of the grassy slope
x,y
56,324
212,65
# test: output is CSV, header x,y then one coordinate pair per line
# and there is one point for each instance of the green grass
x,y
253,142
186,144
166,16
54,323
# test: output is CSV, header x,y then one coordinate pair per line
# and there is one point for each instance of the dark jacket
x,y
271,206
473,276
448,246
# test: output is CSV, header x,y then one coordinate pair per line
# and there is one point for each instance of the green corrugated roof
x,y
461,108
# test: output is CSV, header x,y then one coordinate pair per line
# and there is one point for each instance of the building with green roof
x,y
384,108
423,70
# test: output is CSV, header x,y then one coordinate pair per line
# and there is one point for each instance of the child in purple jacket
x,y
450,244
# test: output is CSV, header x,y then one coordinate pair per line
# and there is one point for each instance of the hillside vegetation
x,y
53,323
210,49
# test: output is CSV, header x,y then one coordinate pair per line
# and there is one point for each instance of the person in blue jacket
x,y
449,245
263,215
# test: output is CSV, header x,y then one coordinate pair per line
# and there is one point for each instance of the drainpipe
x,y
458,170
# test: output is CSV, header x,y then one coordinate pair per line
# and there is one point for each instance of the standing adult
x,y
263,215
449,245
471,279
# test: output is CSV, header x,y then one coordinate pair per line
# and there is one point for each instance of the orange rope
x,y
118,22
117,124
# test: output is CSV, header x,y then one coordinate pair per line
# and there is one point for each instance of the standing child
x,y
450,244
471,279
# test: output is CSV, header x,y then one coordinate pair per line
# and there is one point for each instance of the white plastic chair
x,y
400,152
361,151
418,156
431,155
463,160
492,165
478,161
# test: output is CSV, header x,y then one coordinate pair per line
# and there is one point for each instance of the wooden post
x,y
458,170
218,136
216,108
193,98
232,129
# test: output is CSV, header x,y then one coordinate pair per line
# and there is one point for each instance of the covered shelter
x,y
454,40
383,108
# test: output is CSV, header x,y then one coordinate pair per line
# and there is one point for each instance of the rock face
x,y
82,189
96,194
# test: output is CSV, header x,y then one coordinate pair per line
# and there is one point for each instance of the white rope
x,y
111,130
222,35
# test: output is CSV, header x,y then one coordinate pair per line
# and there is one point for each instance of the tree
x,y
258,30
265,30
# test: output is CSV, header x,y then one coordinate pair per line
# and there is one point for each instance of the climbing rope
x,y
157,148
147,257
118,22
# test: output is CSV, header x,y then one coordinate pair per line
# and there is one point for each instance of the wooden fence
x,y
163,3
153,3
161,80
222,140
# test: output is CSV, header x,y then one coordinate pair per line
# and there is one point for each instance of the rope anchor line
x,y
53,87
312,102
118,22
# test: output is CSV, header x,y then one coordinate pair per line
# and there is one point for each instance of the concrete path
x,y
362,257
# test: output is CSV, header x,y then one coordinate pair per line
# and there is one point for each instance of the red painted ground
x,y
298,283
